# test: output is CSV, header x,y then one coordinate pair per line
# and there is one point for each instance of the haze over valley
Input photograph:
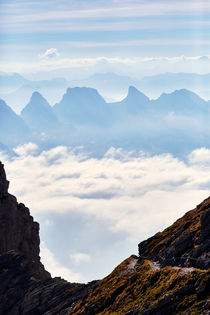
x,y
97,166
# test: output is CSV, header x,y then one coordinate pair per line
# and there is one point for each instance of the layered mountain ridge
x,y
84,118
171,275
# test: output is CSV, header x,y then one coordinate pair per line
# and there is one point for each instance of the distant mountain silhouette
x,y
51,89
109,84
39,115
11,81
183,102
83,117
134,103
13,129
82,106
113,85
168,82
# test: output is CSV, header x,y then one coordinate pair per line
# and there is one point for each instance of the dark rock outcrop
x,y
25,286
4,184
18,232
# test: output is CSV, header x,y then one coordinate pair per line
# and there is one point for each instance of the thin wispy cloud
x,y
109,9
110,28
131,66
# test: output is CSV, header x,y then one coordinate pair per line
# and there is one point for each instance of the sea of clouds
x,y
118,200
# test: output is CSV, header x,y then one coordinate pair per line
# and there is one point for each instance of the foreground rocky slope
x,y
171,275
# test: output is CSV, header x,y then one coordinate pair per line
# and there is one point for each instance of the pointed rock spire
x,y
4,184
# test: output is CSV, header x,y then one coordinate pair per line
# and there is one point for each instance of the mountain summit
x,y
171,275
82,105
38,114
183,102
135,103
136,96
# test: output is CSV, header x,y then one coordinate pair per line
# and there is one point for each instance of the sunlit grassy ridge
x,y
140,288
149,285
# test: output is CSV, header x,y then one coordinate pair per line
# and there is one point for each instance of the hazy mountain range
x,y
175,122
16,90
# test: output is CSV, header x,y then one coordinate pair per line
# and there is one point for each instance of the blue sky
x,y
90,29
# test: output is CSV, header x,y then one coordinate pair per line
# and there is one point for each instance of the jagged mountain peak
x,y
37,100
135,103
36,96
135,94
38,114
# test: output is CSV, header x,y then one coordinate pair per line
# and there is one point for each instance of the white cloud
x,y
93,25
132,193
200,157
130,66
26,149
55,268
79,258
50,53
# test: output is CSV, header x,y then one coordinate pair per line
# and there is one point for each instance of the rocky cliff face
x,y
171,275
25,286
18,232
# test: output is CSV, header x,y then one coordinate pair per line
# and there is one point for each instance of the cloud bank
x,y
134,66
122,188
133,194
